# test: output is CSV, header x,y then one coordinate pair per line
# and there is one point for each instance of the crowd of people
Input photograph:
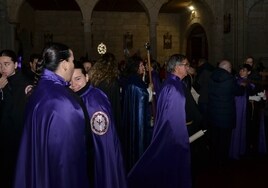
x,y
79,123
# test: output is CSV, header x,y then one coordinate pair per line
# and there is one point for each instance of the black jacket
x,y
201,81
11,124
222,89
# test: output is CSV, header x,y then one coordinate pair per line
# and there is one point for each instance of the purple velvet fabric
x,y
166,162
109,170
53,150
238,139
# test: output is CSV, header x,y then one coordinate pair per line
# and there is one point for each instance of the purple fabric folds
x,y
238,139
109,170
53,149
166,162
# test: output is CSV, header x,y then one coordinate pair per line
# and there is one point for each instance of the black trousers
x,y
220,144
253,125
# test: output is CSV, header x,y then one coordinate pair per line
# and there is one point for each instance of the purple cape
x,y
166,162
238,139
53,150
109,171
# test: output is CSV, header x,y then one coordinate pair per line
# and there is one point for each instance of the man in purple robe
x,y
166,162
53,149
107,167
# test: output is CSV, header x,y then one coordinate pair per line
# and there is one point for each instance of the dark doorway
x,y
197,46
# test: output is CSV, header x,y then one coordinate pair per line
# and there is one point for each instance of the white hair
x,y
226,65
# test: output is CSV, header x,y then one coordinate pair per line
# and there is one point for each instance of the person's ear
x,y
87,77
16,65
64,65
177,68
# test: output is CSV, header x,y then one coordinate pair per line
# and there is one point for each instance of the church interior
x,y
209,29
197,28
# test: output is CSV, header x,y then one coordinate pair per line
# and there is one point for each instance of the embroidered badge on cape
x,y
99,123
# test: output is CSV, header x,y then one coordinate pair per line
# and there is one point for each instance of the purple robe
x,y
166,162
238,139
53,150
108,167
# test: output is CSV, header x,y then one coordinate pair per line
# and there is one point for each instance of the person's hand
x,y
150,91
3,81
151,86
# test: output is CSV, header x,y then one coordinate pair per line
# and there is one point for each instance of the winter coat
x,y
222,89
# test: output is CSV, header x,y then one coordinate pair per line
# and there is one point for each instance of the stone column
x,y
87,7
3,27
10,21
152,8
7,38
153,38
12,30
218,33
87,37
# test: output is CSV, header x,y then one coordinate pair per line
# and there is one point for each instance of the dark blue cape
x,y
53,150
136,120
109,171
166,162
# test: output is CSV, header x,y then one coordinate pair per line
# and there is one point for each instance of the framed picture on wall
x,y
128,41
167,41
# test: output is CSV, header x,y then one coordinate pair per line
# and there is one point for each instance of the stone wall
x,y
257,33
63,26
107,27
6,30
248,34
168,23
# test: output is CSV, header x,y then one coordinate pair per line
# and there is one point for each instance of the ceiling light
x,y
191,7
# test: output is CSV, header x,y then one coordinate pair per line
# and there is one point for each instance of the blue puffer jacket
x,y
222,89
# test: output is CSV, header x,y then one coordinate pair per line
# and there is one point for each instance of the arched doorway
x,y
197,45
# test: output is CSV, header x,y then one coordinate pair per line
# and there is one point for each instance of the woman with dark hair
x,y
53,148
136,112
105,158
